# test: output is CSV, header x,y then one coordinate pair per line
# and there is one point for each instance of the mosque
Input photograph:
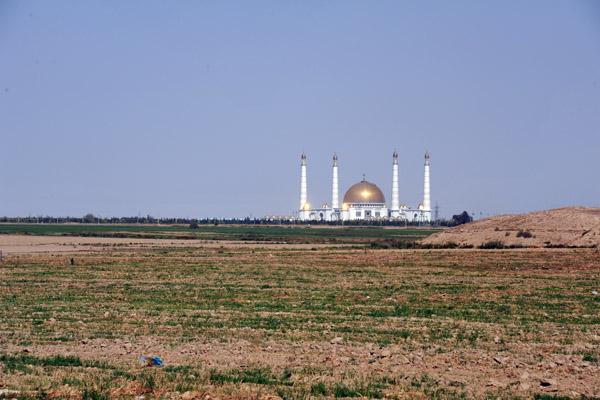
x,y
364,201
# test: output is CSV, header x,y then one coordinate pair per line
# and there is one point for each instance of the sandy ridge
x,y
569,226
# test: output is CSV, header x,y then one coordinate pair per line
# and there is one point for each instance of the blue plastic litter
x,y
151,361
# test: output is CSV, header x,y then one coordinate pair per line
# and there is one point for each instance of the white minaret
x,y
426,190
395,198
303,183
335,200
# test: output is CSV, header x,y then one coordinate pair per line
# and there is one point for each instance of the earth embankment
x,y
561,227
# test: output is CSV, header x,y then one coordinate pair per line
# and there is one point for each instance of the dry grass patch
x,y
297,323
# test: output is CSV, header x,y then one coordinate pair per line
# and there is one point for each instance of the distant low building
x,y
364,201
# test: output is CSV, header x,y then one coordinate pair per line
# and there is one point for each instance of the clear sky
x,y
203,108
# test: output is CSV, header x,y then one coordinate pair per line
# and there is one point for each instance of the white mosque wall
x,y
365,213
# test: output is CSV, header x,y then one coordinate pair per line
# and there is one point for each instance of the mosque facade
x,y
364,201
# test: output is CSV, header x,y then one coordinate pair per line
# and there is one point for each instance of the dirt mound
x,y
570,226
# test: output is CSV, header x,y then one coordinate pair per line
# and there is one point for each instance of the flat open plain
x,y
273,320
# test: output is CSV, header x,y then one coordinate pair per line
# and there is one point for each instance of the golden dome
x,y
364,192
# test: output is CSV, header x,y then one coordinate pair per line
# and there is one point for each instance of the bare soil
x,y
32,244
571,226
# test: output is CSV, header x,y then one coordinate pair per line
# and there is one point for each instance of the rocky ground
x,y
522,370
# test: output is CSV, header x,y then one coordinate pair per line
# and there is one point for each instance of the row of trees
x,y
459,219
92,219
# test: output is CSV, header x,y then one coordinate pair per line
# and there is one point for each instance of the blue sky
x,y
203,108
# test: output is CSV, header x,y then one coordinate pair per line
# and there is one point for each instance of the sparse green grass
x,y
260,376
94,395
23,361
437,302
539,396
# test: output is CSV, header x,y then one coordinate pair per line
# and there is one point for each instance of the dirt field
x,y
20,244
569,226
232,321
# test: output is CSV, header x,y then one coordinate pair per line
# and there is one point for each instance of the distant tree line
x,y
195,222
92,219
